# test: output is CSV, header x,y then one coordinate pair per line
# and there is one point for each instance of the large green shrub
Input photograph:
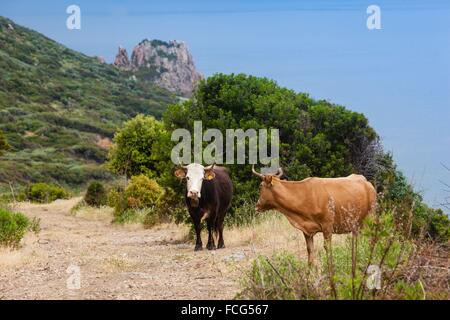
x,y
407,204
13,227
96,195
143,192
143,200
140,147
316,137
45,193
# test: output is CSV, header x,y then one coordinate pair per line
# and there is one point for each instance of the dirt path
x,y
122,262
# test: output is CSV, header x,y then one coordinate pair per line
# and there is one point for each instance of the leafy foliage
x,y
407,205
96,195
143,200
316,137
13,227
45,193
381,243
139,147
143,192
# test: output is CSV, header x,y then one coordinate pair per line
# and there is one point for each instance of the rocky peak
x,y
122,60
168,64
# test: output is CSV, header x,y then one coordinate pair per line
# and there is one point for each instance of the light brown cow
x,y
327,205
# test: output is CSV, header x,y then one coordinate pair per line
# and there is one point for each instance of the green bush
x,y
143,192
244,215
316,137
138,147
96,195
12,227
439,225
382,243
143,201
407,204
273,279
129,215
345,273
45,193
114,196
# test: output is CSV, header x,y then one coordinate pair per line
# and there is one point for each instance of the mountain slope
x,y
60,108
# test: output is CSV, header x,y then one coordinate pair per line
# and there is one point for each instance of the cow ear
x,y
180,173
209,174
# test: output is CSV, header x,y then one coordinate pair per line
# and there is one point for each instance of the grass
x,y
13,226
102,213
409,268
119,264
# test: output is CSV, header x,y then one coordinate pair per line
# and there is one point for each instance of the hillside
x,y
60,108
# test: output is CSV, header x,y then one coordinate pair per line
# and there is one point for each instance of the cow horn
x,y
181,164
210,166
256,173
279,173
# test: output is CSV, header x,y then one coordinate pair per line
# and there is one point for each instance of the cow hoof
x,y
221,246
211,246
198,248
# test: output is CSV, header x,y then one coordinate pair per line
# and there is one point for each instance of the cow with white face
x,y
195,174
208,196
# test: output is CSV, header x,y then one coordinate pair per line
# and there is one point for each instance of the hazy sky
x,y
399,77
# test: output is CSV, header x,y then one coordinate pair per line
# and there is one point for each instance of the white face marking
x,y
194,176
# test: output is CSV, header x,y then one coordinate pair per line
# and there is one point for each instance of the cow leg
x,y
220,219
221,243
211,245
330,263
354,259
310,247
198,231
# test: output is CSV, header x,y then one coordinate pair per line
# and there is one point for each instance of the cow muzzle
x,y
194,195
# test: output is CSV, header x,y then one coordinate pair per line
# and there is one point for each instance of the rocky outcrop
x,y
121,59
168,64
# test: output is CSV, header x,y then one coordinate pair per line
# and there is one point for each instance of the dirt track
x,y
121,262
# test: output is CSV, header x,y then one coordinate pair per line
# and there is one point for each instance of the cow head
x,y
194,174
266,199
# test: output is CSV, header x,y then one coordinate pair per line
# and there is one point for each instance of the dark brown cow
x,y
208,196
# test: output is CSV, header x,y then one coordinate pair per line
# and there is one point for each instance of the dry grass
x,y
270,232
119,264
159,262
103,213
14,258
273,232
